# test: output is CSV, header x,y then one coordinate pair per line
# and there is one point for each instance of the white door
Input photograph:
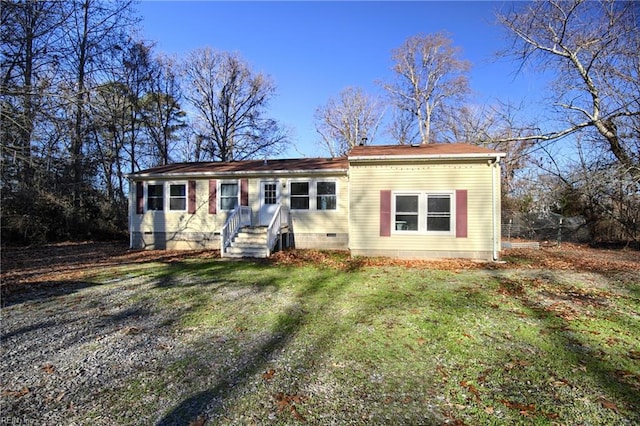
x,y
269,200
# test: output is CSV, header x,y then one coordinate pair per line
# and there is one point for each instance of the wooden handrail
x,y
241,216
274,228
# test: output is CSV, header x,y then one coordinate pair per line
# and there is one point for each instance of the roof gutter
x,y
243,173
477,156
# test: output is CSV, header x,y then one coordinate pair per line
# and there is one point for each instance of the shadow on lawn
x,y
42,291
592,361
289,322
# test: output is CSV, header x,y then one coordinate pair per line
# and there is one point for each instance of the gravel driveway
x,y
61,349
80,353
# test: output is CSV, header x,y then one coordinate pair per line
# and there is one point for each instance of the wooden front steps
x,y
249,242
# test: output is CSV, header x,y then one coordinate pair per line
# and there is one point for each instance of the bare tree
x,y
592,47
231,101
497,126
27,51
349,120
429,75
403,127
162,112
95,29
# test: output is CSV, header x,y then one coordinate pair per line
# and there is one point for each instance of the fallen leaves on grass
x,y
48,368
341,260
17,394
285,402
199,421
528,410
445,376
55,263
516,363
608,405
579,257
524,409
268,375
474,391
131,330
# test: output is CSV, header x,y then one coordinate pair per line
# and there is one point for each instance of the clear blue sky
x,y
313,50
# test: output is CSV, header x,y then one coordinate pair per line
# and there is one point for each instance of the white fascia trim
x,y
495,156
248,173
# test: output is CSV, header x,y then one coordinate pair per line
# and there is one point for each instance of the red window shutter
x,y
244,192
192,197
213,197
461,213
385,213
139,198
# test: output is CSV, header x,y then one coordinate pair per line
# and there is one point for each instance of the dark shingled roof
x,y
249,166
318,164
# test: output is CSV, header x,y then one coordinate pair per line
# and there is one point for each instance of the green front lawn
x,y
390,344
320,338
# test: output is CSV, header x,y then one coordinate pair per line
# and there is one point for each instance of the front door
x,y
269,200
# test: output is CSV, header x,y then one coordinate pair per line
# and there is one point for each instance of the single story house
x,y
409,201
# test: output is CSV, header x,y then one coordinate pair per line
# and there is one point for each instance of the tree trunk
x,y
78,130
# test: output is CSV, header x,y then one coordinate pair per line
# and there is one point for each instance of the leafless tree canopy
x,y
348,120
592,48
429,76
230,101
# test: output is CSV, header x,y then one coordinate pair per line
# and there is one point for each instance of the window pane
x,y
177,191
177,204
299,188
155,199
407,203
155,203
326,196
300,195
438,224
300,203
406,222
154,190
229,190
439,204
270,193
228,203
327,202
326,188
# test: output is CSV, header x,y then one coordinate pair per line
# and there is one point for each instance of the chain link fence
x,y
545,228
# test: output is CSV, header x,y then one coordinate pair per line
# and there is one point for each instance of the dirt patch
x,y
73,261
26,267
575,257
566,257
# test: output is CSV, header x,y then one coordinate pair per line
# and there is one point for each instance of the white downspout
x,y
131,206
494,208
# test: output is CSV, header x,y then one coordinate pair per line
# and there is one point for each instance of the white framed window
x,y
407,212
424,212
326,196
270,193
177,196
313,194
299,195
155,196
439,213
229,192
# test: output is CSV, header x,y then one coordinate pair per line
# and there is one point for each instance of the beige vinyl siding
x,y
179,229
315,221
367,180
